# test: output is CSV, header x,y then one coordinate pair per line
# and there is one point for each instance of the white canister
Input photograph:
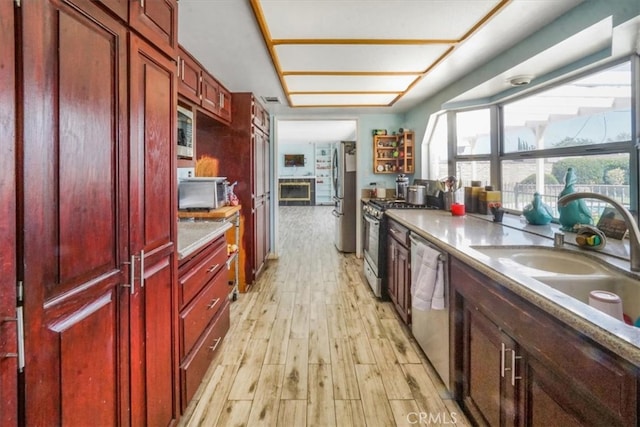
x,y
381,192
607,302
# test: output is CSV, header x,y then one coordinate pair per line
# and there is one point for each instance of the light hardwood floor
x,y
310,345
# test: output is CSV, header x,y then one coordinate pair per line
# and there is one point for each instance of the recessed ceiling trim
x,y
419,75
351,73
364,41
343,92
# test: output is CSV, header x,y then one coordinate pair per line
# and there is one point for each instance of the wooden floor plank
x,y
234,414
265,407
296,370
320,406
345,383
406,413
377,411
292,413
244,385
278,341
392,375
349,413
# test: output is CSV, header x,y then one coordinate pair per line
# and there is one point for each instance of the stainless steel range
x,y
375,232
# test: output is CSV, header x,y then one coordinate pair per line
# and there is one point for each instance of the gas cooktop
x,y
394,204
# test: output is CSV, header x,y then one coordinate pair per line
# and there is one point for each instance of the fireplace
x,y
296,191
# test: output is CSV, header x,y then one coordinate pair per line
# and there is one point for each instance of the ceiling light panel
x,y
342,100
368,58
315,83
373,19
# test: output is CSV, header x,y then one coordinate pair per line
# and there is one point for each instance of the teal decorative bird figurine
x,y
575,212
537,213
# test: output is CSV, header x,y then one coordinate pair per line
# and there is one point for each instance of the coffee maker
x,y
402,182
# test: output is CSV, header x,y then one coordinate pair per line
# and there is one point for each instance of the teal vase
x,y
575,212
537,213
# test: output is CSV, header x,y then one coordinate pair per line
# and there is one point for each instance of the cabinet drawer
x,y
198,313
400,233
195,365
197,272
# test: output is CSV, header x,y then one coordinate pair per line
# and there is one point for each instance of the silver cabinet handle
x,y
132,275
213,347
212,268
142,268
502,367
513,367
182,68
213,303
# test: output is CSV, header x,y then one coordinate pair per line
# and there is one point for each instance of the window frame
x,y
497,154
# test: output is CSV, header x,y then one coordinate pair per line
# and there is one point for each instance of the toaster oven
x,y
202,193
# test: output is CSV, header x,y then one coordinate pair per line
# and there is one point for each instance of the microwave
x,y
185,132
202,193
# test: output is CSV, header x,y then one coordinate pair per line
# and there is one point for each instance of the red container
x,y
457,209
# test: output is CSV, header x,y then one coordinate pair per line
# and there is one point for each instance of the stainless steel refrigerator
x,y
344,187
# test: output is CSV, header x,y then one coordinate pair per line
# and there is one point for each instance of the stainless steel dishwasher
x,y
431,327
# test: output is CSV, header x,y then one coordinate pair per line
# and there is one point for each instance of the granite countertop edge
x,y
194,235
448,233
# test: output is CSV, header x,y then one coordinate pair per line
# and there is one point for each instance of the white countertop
x,y
193,235
456,235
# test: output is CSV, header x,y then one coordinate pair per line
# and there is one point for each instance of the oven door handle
x,y
372,221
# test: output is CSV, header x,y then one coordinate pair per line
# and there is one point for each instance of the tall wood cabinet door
x,y
154,357
8,274
75,215
260,146
157,21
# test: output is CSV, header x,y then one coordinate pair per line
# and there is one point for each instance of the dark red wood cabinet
x,y
520,366
98,177
204,313
198,86
157,21
8,274
243,151
399,270
153,101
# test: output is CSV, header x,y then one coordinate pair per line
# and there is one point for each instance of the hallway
x,y
310,345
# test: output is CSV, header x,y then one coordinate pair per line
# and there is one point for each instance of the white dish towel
x,y
427,279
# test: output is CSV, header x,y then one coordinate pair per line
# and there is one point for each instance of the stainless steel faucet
x,y
634,233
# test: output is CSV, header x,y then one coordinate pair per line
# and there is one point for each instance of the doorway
x,y
308,145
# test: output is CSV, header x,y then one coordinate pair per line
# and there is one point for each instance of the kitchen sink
x,y
545,261
572,273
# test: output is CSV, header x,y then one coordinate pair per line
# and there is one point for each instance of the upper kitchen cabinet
x,y
198,86
8,326
188,76
157,21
